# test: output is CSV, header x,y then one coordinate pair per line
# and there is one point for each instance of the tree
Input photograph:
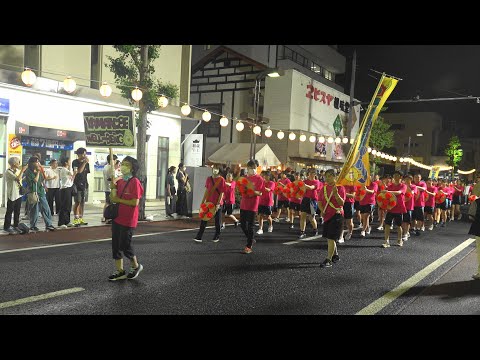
x,y
133,67
381,137
454,152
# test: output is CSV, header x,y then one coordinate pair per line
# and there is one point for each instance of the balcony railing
x,y
284,53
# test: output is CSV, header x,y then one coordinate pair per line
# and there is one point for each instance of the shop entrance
x,y
162,165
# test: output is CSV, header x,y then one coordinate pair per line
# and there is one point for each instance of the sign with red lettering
x,y
110,129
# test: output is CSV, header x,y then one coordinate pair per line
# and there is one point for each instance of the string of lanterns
x,y
29,78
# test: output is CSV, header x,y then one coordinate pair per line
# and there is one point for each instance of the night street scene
x,y
240,180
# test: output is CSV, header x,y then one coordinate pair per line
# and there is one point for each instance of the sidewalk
x,y
154,210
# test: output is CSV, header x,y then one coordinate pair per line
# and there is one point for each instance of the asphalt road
x,y
184,277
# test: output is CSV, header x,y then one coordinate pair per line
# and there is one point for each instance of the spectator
x,y
53,185
13,176
65,175
182,178
170,192
35,181
81,169
107,179
128,192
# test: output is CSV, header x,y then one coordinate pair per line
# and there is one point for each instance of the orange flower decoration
x,y
386,201
440,197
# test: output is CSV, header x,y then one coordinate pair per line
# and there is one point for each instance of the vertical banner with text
x,y
114,129
14,146
193,150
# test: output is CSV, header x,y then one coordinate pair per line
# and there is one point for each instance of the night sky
x,y
430,71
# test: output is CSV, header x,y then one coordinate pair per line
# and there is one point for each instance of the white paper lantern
x,y
29,77
345,140
312,138
162,101
338,140
280,135
223,121
321,139
239,126
105,90
369,149
268,133
257,130
303,137
330,140
206,116
69,84
374,152
185,109
292,136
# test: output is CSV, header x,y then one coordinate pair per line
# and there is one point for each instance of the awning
x,y
316,161
240,154
24,129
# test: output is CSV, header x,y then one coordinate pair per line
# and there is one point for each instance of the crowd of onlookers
x,y
39,188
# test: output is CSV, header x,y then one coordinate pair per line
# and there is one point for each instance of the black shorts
x,y
407,217
366,209
442,206
391,217
283,203
348,210
307,204
227,209
80,197
294,206
428,210
356,205
418,213
333,228
457,200
264,210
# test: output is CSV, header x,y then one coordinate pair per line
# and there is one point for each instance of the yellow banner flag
x,y
356,169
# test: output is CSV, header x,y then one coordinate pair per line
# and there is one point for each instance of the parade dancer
x,y
229,197
309,204
396,213
331,202
266,203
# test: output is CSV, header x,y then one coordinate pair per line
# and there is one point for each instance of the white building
x,y
48,120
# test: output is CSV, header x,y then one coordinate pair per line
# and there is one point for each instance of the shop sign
x,y
14,145
193,150
46,143
109,128
4,106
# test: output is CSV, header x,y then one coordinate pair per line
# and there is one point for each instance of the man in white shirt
x,y
53,185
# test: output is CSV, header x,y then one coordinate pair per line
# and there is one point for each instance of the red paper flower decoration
x,y
386,201
298,189
472,198
245,186
360,194
206,211
440,197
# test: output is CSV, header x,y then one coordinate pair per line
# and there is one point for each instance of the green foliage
x,y
453,151
381,136
127,68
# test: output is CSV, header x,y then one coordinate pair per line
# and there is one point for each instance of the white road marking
x,y
300,240
39,297
389,297
98,240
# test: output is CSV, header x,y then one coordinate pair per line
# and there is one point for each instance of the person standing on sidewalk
x,y
214,190
13,178
81,169
331,200
52,184
65,175
35,181
170,192
249,204
182,179
127,193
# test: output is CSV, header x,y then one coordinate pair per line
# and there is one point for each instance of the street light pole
x,y
408,163
256,105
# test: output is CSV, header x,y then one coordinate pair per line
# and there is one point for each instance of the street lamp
x,y
271,72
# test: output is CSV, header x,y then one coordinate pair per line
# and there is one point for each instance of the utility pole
x,y
408,163
352,89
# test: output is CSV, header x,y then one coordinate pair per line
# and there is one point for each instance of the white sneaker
x,y
348,236
369,229
276,219
430,227
222,227
423,228
362,233
341,241
408,234
404,238
287,220
380,228
259,231
270,228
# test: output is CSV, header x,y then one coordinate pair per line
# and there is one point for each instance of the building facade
x,y
44,118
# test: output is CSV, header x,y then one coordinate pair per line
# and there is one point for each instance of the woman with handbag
x,y
126,193
37,197
183,188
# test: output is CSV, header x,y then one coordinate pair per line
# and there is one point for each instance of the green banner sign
x,y
110,129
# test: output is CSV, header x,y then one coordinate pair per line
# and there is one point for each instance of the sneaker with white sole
x,y
276,219
385,245
133,272
400,243
380,228
348,236
270,228
362,233
197,240
327,263
118,275
259,231
369,230
341,240
222,227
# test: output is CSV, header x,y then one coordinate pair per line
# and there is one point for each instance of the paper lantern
x,y
28,77
239,126
69,84
162,102
206,116
105,90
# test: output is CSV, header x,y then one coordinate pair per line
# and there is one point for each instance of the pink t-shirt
x,y
296,200
281,197
409,199
209,183
350,189
312,194
128,215
229,195
420,196
451,189
330,211
251,202
458,192
267,196
400,207
430,199
369,198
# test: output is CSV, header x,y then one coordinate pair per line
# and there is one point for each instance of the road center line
x,y
39,297
389,297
